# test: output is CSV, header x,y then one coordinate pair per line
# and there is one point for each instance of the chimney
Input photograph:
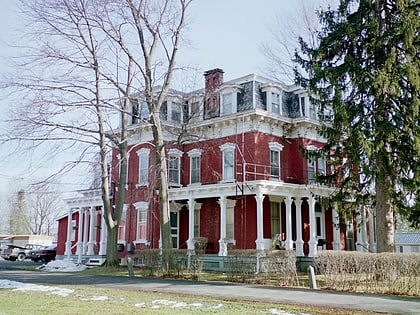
x,y
213,80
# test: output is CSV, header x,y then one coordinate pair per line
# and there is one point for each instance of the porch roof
x,y
235,189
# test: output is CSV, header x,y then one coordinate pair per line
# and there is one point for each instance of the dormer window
x,y
273,98
275,103
139,111
229,99
227,104
176,112
302,104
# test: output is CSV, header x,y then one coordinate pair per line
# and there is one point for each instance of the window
x,y
176,112
141,221
275,218
228,160
311,169
302,105
195,166
174,167
195,169
275,103
144,111
321,166
121,225
195,112
164,111
319,220
311,162
274,163
134,110
143,155
313,111
174,170
275,149
230,218
227,102
196,222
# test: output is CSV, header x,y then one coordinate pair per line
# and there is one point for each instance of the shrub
x,y
391,273
248,265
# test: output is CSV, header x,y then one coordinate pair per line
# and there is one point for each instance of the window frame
x,y
277,148
141,221
228,148
195,173
143,170
274,104
174,155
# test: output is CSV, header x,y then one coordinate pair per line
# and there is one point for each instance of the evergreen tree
x,y
18,217
366,69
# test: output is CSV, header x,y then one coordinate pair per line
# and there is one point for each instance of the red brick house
x,y
237,175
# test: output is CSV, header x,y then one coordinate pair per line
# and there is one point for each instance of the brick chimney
x,y
213,80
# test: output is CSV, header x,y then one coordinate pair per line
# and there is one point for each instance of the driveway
x,y
368,302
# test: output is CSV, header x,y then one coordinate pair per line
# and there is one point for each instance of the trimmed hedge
x,y
387,273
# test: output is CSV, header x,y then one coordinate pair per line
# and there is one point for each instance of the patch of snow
x,y
19,286
64,265
99,298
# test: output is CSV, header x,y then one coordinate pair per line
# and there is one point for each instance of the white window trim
x,y
191,154
224,148
140,153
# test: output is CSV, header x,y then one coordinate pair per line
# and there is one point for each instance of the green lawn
x,y
101,301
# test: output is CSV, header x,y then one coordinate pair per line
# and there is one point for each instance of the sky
x,y
224,34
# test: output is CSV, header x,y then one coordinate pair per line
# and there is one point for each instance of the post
x,y
130,267
312,279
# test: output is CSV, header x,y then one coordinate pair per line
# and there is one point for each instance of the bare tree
x,y
89,57
286,28
43,207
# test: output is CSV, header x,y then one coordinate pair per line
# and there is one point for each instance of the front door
x,y
174,229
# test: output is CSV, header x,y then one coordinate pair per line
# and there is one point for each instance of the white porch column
x,y
222,240
92,220
289,237
299,240
260,236
336,229
69,233
313,251
104,232
190,241
85,230
79,236
372,237
364,231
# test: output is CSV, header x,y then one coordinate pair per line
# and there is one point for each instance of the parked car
x,y
19,253
45,254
